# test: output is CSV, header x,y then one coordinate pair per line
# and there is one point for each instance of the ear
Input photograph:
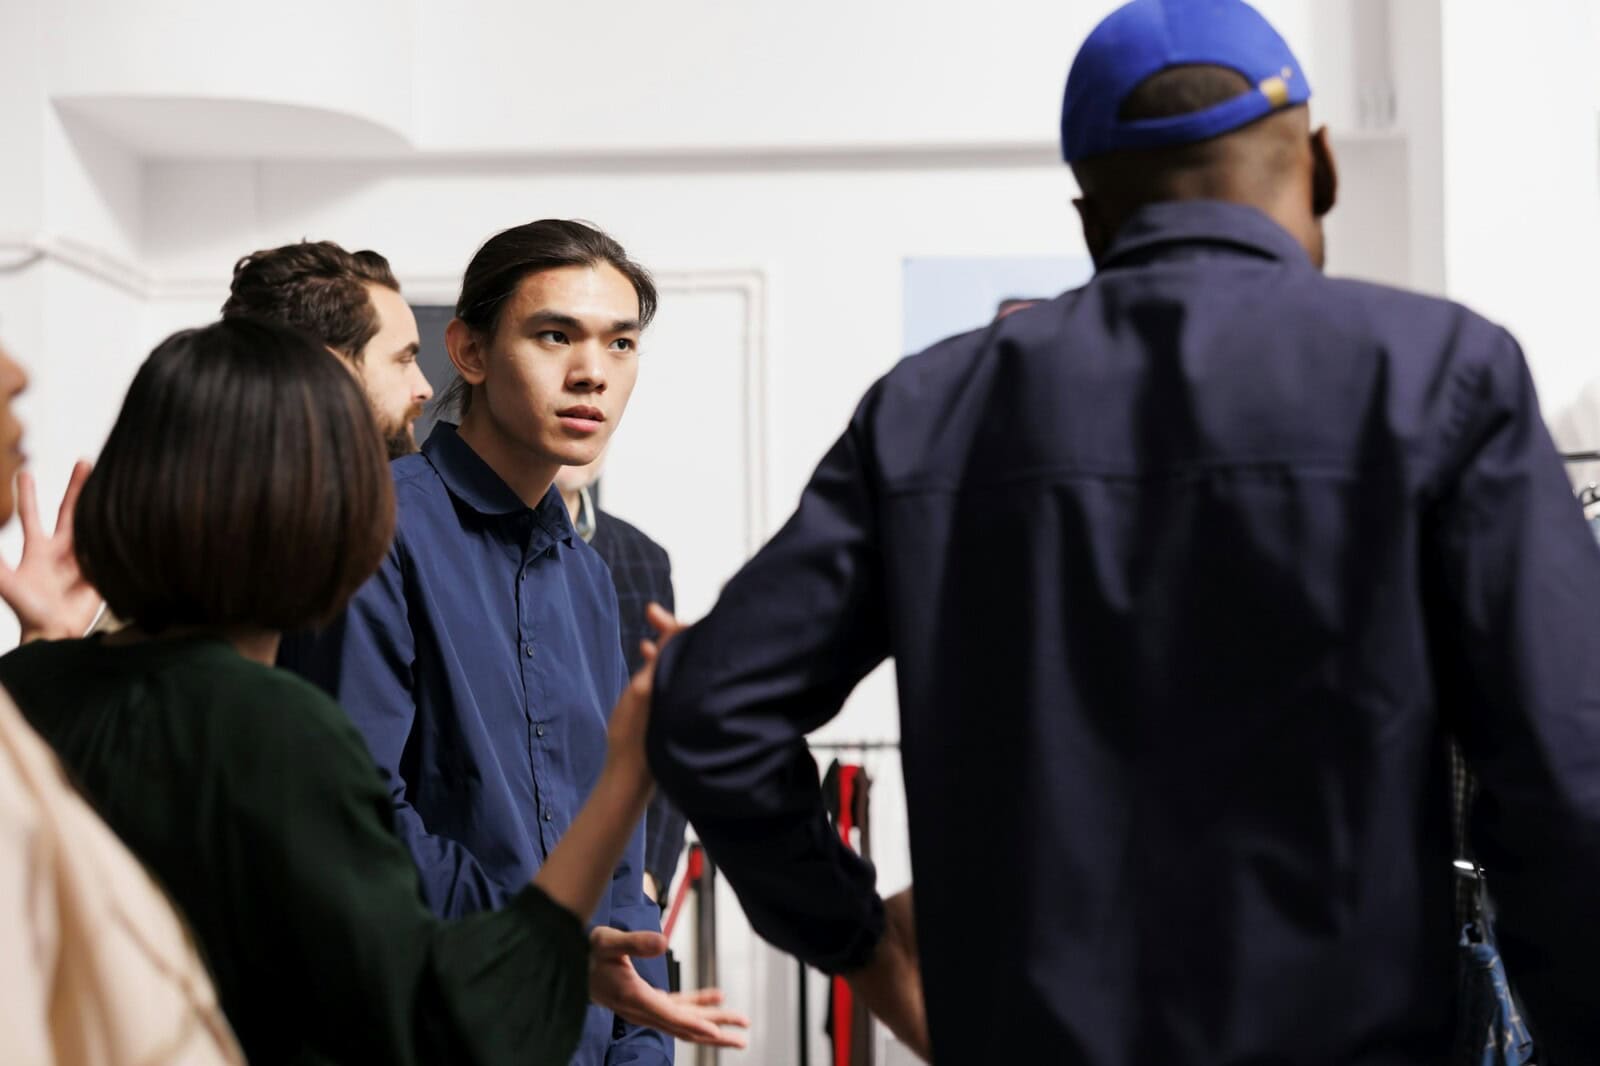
x,y
1095,232
466,351
1324,174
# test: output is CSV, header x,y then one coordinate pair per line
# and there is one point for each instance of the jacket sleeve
x,y
790,637
1514,620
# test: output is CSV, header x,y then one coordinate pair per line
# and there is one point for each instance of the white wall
x,y
1522,179
213,77
702,74
70,220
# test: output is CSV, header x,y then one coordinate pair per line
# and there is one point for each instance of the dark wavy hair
x,y
314,286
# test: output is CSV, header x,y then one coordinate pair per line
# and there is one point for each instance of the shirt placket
x,y
540,728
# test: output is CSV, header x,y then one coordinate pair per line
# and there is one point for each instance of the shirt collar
x,y
1203,222
587,515
472,481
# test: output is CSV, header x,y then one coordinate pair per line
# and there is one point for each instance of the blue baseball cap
x,y
1145,37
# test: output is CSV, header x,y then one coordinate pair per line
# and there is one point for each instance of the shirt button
x,y
548,816
538,730
527,649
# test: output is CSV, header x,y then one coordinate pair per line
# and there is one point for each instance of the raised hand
x,y
697,1017
49,594
631,715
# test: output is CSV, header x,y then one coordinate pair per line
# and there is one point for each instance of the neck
x,y
529,476
573,498
257,645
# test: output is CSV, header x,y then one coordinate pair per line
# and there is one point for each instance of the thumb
x,y
608,943
662,621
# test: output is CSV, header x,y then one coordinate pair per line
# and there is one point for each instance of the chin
x,y
578,454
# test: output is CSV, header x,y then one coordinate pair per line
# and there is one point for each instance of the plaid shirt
x,y
642,573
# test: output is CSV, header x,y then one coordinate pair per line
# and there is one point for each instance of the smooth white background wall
x,y
804,152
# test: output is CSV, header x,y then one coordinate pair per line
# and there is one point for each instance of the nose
x,y
13,379
587,370
423,391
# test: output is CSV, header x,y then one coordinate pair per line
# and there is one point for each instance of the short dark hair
x,y
1182,90
244,484
1138,176
314,286
532,248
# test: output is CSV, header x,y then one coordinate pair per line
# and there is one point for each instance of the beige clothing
x,y
96,968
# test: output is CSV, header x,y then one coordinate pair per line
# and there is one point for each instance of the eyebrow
x,y
414,348
566,321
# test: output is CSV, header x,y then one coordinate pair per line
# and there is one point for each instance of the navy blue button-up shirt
x,y
481,663
1187,574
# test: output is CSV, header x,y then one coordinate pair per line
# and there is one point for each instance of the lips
x,y
585,413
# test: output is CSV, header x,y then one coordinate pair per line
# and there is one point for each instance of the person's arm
x,y
1514,624
664,824
364,659
791,635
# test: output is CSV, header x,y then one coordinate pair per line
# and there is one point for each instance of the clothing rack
x,y
854,745
1581,457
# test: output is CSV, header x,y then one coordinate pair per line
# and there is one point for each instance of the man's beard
x,y
401,444
398,437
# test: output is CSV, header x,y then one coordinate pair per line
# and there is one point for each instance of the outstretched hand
x,y
48,592
697,1017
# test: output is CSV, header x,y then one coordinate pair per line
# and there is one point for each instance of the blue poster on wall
x,y
945,295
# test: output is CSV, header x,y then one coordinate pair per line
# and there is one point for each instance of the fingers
x,y
707,1027
69,499
28,506
608,943
696,1031
663,622
692,1016
724,1017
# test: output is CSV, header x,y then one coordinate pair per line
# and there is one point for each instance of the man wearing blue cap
x,y
1188,575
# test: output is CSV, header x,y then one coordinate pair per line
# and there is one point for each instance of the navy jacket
x,y
1188,575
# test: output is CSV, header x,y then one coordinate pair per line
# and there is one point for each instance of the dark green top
x,y
251,797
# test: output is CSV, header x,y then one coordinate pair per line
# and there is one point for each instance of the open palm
x,y
48,592
697,1017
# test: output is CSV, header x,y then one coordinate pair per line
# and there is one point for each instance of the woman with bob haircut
x,y
244,491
